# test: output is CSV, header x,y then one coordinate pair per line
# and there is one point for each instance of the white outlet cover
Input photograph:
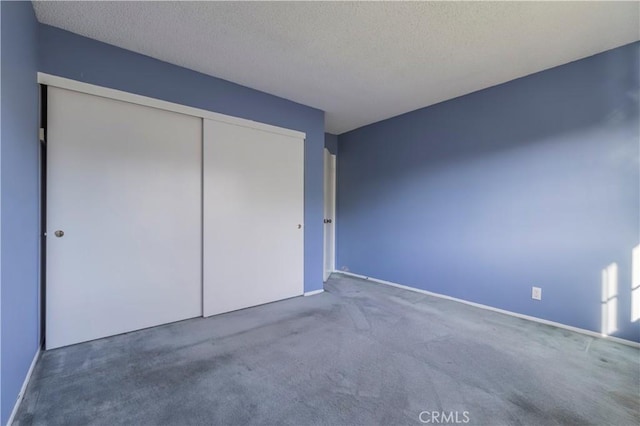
x,y
536,293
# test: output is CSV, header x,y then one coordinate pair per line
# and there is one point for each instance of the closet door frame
x,y
91,89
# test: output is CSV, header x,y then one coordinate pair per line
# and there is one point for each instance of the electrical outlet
x,y
536,293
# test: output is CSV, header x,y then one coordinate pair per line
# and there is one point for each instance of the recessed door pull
x,y
59,233
327,221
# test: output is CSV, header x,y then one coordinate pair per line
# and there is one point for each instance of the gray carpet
x,y
360,353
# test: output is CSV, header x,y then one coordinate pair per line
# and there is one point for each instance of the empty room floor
x,y
360,353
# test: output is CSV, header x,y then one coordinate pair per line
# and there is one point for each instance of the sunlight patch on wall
x,y
635,283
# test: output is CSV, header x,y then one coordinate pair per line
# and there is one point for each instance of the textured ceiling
x,y
359,62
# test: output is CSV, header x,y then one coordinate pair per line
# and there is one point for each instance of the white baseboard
x,y
314,292
502,311
24,387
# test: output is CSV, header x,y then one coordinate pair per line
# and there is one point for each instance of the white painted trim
x,y
24,387
329,173
333,167
313,293
91,89
501,311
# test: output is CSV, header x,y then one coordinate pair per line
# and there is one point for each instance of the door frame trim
x,y
92,89
333,159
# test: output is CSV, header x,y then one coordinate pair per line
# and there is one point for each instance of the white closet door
x,y
253,211
124,185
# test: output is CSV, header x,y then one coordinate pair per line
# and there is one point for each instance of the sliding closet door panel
x,y
253,212
124,185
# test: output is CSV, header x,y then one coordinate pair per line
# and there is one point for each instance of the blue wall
x,y
19,185
69,55
533,182
331,143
